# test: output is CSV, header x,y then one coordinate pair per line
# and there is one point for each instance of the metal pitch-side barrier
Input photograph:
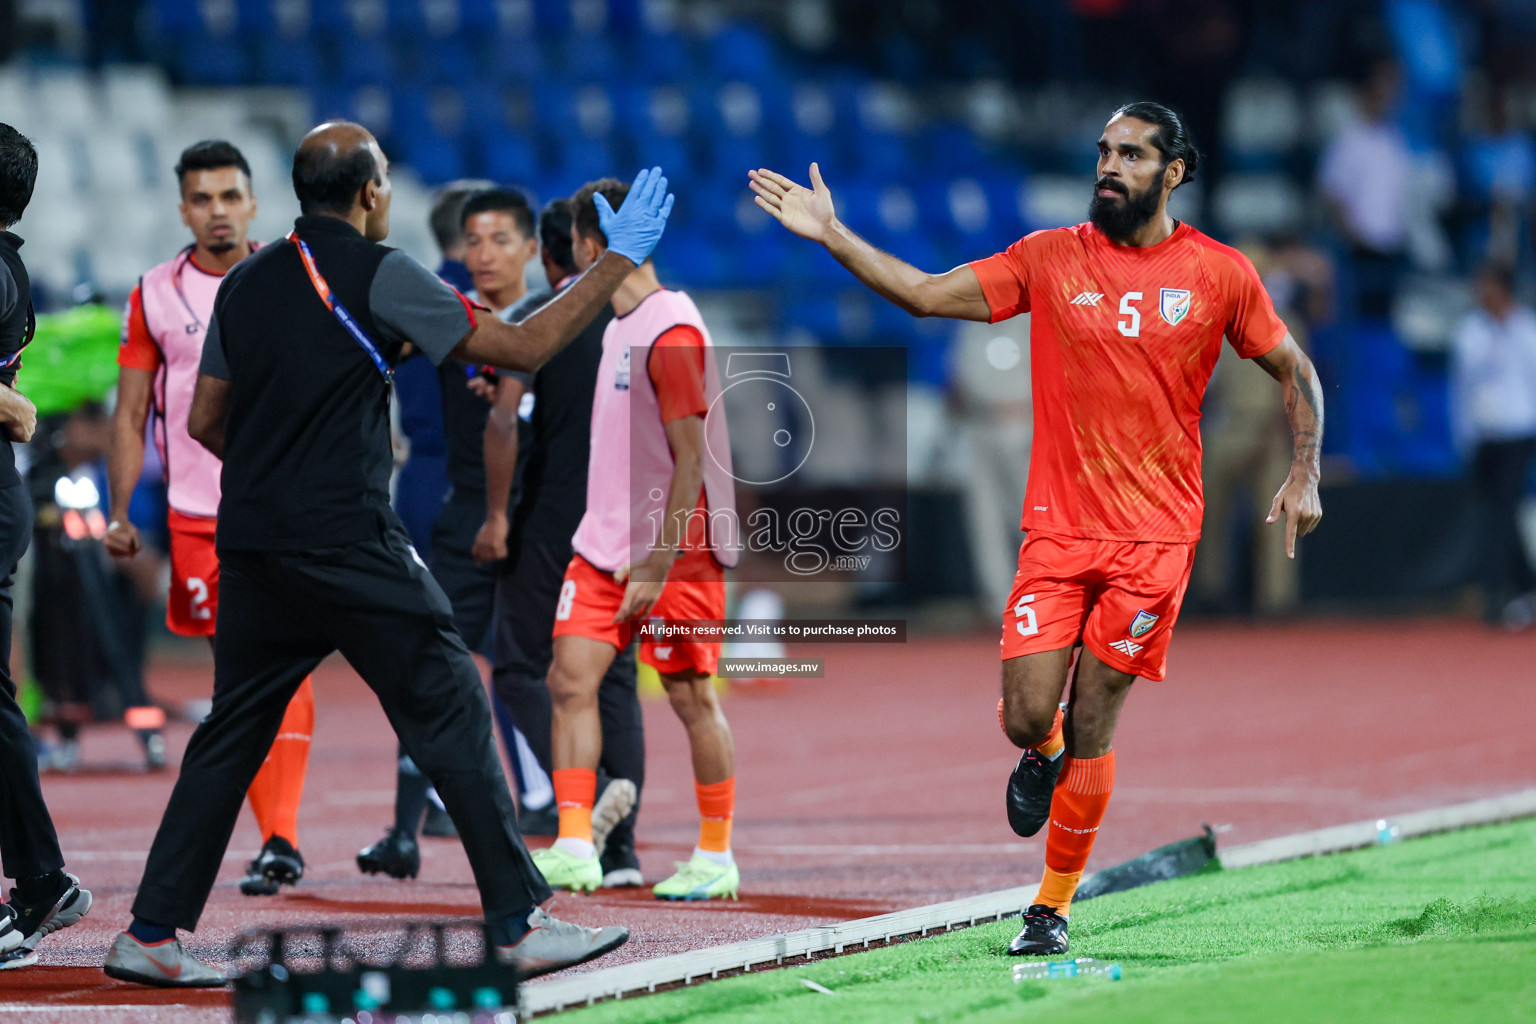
x,y
1181,858
314,975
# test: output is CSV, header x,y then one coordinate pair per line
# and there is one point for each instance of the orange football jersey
x,y
1122,344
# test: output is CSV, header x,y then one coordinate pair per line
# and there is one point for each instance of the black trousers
x,y
522,648
280,614
1500,470
28,842
470,587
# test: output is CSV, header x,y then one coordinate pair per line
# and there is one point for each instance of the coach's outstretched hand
x,y
635,229
808,212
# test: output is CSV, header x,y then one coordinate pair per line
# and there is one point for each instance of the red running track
x,y
877,788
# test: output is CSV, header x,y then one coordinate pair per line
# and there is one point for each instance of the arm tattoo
x,y
1304,409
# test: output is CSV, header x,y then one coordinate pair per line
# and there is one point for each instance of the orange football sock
x,y
717,805
279,785
1053,743
575,790
1077,808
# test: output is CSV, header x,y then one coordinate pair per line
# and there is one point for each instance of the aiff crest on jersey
x,y
1173,304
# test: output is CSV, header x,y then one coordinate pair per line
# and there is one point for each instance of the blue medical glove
x,y
635,229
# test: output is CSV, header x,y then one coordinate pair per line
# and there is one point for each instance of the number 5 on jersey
x,y
1131,327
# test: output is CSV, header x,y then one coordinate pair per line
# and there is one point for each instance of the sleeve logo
x,y
1173,304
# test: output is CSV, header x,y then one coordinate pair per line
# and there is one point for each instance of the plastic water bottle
x,y
1082,967
1387,831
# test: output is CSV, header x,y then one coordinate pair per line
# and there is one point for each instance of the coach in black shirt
x,y
293,395
45,896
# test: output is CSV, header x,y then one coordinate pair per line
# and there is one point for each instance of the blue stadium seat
x,y
742,51
332,19
552,16
590,58
485,109
663,58
519,59
478,17
407,18
879,153
688,259
212,60
623,17
331,102
178,17
284,61
731,158
580,159
950,149
509,157
797,151
672,153
435,157
454,61
256,17
364,61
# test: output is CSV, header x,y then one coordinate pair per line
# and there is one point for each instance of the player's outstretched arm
x,y
809,213
1298,499
632,232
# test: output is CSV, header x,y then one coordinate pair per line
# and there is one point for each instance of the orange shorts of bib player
x,y
193,604
1120,599
589,599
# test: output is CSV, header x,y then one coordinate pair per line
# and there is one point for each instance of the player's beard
x,y
220,245
1120,218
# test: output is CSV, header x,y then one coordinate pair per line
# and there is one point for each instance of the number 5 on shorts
x,y
1026,616
567,598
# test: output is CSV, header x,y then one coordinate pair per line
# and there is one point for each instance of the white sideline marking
x,y
143,855
887,850
647,975
1363,833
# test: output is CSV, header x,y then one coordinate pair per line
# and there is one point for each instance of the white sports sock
x,y
581,848
724,859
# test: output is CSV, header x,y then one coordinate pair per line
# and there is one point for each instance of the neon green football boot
x,y
564,871
700,878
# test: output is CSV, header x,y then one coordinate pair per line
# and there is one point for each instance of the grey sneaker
x,y
165,964
11,934
17,957
553,945
615,803
12,953
37,921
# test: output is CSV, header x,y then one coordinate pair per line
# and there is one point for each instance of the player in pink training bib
x,y
158,360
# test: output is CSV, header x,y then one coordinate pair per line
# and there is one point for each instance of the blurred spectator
x,y
422,482
1493,409
1500,172
1247,449
87,622
1365,177
1299,279
994,420
8,29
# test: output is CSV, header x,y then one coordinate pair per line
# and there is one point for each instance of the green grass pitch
x,y
1427,930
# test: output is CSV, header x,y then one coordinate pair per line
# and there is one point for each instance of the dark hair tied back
x,y
1172,138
